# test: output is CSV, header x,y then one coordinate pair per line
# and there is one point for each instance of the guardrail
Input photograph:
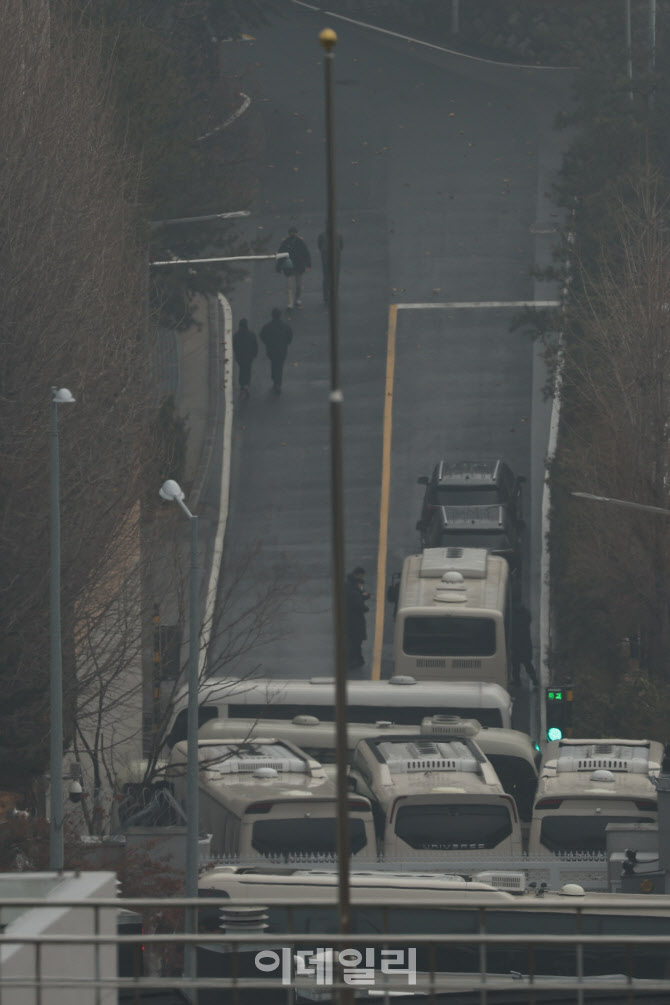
x,y
288,967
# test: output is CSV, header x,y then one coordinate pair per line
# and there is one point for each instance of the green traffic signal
x,y
559,712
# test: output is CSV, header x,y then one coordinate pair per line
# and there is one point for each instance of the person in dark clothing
x,y
294,267
276,336
521,645
356,609
324,248
245,350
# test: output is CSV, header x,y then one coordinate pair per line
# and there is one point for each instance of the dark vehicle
x,y
488,527
471,483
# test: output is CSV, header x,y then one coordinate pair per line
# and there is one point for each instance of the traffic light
x,y
559,712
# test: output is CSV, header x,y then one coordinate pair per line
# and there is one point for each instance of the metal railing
x,y
476,966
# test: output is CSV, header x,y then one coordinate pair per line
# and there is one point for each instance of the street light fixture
x,y
171,491
56,810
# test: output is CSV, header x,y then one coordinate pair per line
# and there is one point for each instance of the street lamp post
x,y
171,492
58,397
629,46
328,40
626,503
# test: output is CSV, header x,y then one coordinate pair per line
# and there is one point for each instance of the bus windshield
x,y
316,836
446,635
453,826
581,832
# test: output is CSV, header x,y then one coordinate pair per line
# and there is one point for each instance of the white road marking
x,y
428,45
459,305
231,118
224,490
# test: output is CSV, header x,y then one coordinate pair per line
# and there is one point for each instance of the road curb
x,y
214,393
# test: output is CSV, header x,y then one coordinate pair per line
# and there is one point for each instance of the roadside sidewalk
x,y
199,396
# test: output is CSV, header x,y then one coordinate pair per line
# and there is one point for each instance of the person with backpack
x,y
276,336
245,350
294,267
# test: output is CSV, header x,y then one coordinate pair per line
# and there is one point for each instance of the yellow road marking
x,y
385,493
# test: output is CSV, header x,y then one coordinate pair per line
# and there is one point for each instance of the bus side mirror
x,y
423,480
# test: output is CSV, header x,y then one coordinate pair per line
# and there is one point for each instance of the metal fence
x,y
247,965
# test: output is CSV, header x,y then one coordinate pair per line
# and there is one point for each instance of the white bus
x,y
305,901
453,616
265,798
512,753
585,785
435,794
402,699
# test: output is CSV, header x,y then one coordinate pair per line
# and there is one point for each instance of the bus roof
x,y
310,733
368,700
322,884
244,770
423,765
484,580
286,886
600,768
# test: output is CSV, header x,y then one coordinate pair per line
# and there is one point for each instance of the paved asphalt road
x,y
442,166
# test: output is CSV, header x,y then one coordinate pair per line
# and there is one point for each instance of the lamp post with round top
x,y
56,844
172,492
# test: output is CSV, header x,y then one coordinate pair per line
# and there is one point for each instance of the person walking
x,y
521,645
276,336
245,350
325,262
294,267
356,609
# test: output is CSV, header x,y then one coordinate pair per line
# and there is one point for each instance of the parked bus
x,y
435,794
299,901
453,616
402,699
585,785
512,753
262,797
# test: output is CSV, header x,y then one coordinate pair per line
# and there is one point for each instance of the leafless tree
x,y
110,694
615,436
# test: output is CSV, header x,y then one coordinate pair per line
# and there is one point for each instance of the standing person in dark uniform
x,y
245,350
276,336
521,645
325,262
356,609
294,267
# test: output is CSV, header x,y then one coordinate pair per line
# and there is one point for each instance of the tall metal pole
x,y
171,492
55,658
192,807
652,45
328,40
629,47
455,20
